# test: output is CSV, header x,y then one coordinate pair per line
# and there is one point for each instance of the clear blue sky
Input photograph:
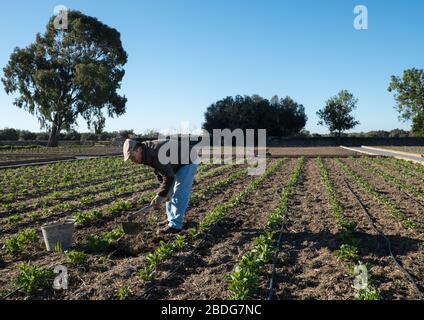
x,y
185,54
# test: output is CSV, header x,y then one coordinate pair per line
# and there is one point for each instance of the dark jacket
x,y
165,171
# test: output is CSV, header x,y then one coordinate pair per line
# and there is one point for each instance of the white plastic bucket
x,y
59,235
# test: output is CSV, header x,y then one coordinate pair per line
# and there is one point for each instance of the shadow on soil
x,y
372,247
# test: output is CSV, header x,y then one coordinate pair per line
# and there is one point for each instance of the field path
x,y
388,153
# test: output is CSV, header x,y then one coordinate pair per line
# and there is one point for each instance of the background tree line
x,y
76,72
280,117
10,134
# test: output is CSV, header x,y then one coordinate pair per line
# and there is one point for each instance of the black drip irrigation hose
x,y
418,202
274,262
389,244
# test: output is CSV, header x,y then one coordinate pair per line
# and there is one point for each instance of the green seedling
x,y
101,243
193,232
32,278
21,241
347,253
84,218
14,219
58,247
347,237
123,293
369,293
146,273
179,243
75,258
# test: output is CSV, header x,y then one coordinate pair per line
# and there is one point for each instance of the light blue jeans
x,y
180,195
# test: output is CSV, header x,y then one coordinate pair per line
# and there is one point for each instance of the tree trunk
x,y
54,137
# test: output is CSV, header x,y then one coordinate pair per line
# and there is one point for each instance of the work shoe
x,y
167,230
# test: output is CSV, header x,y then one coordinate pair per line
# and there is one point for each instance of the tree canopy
x,y
280,117
336,114
409,96
69,73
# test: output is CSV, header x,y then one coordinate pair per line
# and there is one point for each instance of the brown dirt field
x,y
102,204
307,267
388,279
203,274
292,151
93,282
407,179
312,152
410,208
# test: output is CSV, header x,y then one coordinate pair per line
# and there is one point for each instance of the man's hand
x,y
157,201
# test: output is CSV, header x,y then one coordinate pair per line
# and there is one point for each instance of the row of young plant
x,y
27,195
87,203
33,277
369,165
414,167
167,250
244,281
97,177
380,198
398,168
89,216
349,250
27,185
81,195
197,196
16,244
71,149
214,171
59,168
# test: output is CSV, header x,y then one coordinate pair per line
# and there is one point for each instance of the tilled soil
x,y
391,283
202,275
128,246
409,180
99,204
128,258
306,266
311,151
410,208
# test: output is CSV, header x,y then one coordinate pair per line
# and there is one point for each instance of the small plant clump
x,y
102,243
75,258
123,293
32,278
347,253
84,218
21,241
162,253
